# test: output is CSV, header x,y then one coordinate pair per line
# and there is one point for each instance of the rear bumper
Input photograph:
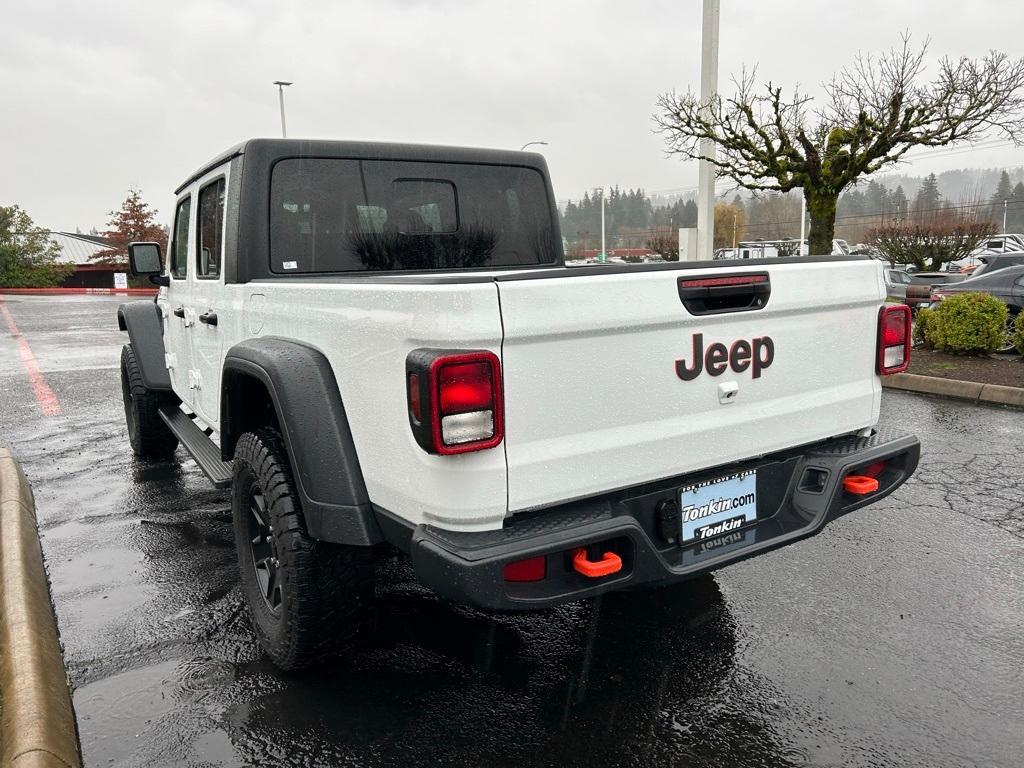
x,y
799,492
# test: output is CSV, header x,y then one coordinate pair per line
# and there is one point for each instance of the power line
x,y
924,154
880,214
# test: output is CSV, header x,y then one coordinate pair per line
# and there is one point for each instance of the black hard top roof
x,y
271,150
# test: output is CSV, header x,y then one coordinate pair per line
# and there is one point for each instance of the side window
x,y
179,249
211,228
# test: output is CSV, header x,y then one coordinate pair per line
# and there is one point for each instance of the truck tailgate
x,y
594,401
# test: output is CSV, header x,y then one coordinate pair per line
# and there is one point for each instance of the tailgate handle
x,y
717,294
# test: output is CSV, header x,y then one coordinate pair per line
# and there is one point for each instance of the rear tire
x,y
308,600
149,436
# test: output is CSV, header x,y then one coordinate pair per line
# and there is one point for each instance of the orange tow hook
x,y
860,485
610,563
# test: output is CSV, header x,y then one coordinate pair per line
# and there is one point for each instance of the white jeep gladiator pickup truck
x,y
379,347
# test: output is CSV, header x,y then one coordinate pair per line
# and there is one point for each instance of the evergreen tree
x,y
689,218
876,199
899,202
927,199
1001,199
1015,209
852,203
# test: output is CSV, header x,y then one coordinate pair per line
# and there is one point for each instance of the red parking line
x,y
45,396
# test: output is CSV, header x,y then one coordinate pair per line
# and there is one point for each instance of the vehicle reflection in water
x,y
639,678
627,679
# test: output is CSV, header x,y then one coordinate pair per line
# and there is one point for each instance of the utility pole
x,y
1004,214
280,93
803,223
603,258
734,215
706,172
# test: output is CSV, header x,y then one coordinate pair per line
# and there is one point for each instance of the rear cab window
x,y
337,215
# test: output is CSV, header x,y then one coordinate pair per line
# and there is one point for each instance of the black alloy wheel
x,y
263,545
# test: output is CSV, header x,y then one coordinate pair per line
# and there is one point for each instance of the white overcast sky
x,y
101,96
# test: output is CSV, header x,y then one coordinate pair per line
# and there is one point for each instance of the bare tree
x,y
664,243
930,241
877,110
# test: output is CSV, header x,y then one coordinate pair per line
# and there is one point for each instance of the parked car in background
x,y
996,261
896,282
1007,285
1002,243
919,292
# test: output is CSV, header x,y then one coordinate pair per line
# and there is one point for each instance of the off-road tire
x,y
326,590
149,436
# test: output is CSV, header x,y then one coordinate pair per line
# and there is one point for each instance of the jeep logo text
x,y
756,355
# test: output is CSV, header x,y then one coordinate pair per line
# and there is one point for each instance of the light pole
x,y
280,93
706,171
603,257
531,143
803,221
1004,214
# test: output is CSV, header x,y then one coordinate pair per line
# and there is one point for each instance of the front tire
x,y
149,436
308,600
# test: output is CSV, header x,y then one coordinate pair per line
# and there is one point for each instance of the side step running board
x,y
205,452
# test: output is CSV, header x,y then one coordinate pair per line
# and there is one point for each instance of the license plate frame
x,y
718,506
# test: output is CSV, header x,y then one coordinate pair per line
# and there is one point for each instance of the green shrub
x,y
922,321
968,323
1018,332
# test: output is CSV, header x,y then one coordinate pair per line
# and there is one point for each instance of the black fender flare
x,y
310,413
144,324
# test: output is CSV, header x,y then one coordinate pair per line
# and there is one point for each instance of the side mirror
x,y
144,259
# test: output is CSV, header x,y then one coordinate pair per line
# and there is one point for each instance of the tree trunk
x,y
821,206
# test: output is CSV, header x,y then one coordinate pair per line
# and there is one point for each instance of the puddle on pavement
x,y
442,684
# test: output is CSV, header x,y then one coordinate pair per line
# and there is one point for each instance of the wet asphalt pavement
x,y
896,637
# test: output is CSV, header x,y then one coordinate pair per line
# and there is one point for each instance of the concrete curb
x,y
37,725
961,390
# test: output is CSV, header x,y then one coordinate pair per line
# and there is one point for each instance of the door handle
x,y
179,312
210,318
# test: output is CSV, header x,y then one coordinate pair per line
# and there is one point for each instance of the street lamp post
x,y
604,258
280,93
531,143
803,222
706,171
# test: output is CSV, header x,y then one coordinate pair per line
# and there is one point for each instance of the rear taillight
x,y
455,400
531,569
893,339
